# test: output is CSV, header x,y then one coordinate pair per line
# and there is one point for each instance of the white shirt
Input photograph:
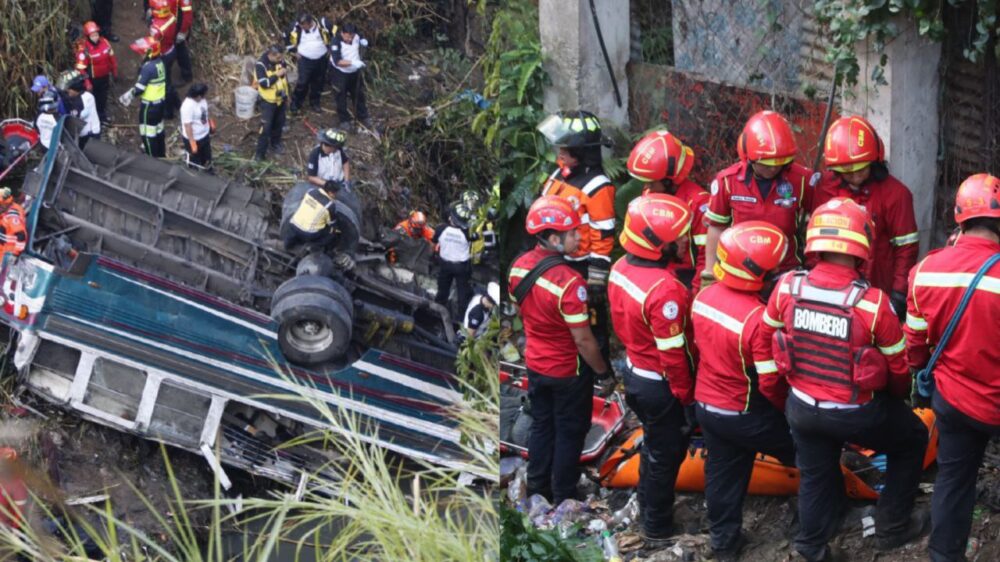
x,y
351,52
45,123
311,45
91,120
454,245
195,113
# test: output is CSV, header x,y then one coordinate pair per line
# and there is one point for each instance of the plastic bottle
x,y
627,514
610,547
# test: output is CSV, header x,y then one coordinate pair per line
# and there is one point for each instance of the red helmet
x,y
652,222
851,145
91,27
551,212
767,139
418,218
160,8
747,252
658,156
146,46
978,196
840,226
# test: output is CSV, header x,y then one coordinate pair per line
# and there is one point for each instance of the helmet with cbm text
x,y
660,156
652,222
747,252
851,145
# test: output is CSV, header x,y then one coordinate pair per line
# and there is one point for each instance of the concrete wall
x,y
573,58
905,114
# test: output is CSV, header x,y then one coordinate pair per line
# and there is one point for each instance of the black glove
x,y
690,420
605,383
333,186
898,301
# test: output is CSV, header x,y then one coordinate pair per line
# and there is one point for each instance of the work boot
x,y
278,148
731,554
659,539
915,528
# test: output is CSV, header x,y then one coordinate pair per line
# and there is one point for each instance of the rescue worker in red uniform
x,y
766,184
966,399
842,350
183,10
96,59
649,309
663,163
855,157
736,420
553,307
13,234
165,29
415,227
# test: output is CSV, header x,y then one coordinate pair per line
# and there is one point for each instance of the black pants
x,y
885,424
101,12
173,102
100,91
203,157
292,236
151,129
350,84
733,443
560,420
184,60
459,273
961,444
84,139
272,120
312,75
662,452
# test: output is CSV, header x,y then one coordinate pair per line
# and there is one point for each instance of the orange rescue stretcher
x,y
769,477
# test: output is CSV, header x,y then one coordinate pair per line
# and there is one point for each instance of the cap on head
x,y
40,83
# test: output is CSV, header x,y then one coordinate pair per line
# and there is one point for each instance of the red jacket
x,y
896,243
736,198
556,303
184,12
872,311
96,60
593,196
692,246
728,322
966,372
164,29
649,310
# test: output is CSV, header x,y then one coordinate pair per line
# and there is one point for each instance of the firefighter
x,y
553,307
183,10
649,308
840,347
766,184
454,250
663,163
97,59
415,226
477,313
328,161
12,230
152,89
272,87
966,399
855,157
580,179
736,419
165,29
314,222
310,40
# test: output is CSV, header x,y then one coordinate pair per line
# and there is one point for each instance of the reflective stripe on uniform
x,y
606,224
915,322
575,318
664,344
150,130
699,239
867,306
771,322
911,238
956,280
717,316
594,183
714,217
629,287
898,347
765,367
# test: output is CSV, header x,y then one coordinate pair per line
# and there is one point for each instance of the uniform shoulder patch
x,y
670,310
714,188
581,293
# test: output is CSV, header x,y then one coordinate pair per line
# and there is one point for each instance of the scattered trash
x,y
538,507
597,526
413,77
927,487
508,468
610,547
627,514
972,548
517,491
475,97
569,510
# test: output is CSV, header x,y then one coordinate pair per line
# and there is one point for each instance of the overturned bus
x,y
142,304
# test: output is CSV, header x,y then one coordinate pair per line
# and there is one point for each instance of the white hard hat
x,y
493,291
